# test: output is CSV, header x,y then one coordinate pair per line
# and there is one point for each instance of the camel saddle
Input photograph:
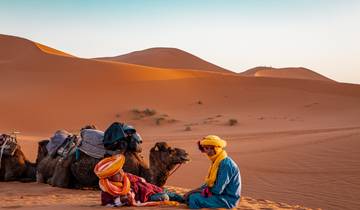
x,y
8,145
56,141
68,147
91,143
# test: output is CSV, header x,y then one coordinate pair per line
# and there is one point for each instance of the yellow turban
x,y
213,140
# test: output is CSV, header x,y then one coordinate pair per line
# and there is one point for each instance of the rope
x,y
176,168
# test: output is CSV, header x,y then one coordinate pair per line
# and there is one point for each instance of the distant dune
x,y
167,58
296,140
290,73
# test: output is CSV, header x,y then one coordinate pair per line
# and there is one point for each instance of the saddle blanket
x,y
91,143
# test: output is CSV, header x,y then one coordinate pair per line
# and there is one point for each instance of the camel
x,y
46,164
15,166
53,168
72,173
56,170
163,160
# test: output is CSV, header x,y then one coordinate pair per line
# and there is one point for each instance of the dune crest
x,y
13,48
50,50
172,58
289,73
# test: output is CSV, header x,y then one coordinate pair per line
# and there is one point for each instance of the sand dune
x,y
167,58
291,73
295,140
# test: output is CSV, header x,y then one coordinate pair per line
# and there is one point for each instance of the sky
x,y
322,35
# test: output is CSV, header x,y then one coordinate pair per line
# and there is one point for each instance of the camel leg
x,y
61,176
39,177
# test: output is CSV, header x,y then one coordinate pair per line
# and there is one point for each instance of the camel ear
x,y
156,148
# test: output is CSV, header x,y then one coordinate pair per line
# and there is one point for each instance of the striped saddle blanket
x,y
91,143
8,145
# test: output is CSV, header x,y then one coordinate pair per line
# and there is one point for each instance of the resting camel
x,y
72,173
14,166
46,164
163,161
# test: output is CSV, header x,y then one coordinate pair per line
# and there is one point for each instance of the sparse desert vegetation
x,y
143,113
188,128
159,120
152,114
232,122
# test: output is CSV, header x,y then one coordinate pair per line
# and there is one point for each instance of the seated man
x,y
223,183
119,188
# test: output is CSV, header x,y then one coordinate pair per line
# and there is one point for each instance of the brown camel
x,y
15,166
79,173
52,169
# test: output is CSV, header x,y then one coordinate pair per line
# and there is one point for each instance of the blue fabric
x,y
166,195
77,154
159,197
226,190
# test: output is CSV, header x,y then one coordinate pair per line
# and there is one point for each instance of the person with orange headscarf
x,y
119,188
222,185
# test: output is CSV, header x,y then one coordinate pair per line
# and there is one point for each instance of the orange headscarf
x,y
109,167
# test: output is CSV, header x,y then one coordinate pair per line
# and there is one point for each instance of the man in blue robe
x,y
223,183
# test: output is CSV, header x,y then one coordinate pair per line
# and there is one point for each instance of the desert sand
x,y
42,196
295,139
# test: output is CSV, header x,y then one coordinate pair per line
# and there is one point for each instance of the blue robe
x,y
226,189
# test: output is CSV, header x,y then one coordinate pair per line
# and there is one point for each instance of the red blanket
x,y
142,189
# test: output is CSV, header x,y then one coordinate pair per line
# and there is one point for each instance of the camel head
x,y
164,160
134,142
42,151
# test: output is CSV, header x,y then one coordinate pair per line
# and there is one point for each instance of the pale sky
x,y
322,35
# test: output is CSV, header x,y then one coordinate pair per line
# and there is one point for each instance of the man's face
x,y
118,177
209,150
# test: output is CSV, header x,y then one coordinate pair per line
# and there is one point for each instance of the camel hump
x,y
43,142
